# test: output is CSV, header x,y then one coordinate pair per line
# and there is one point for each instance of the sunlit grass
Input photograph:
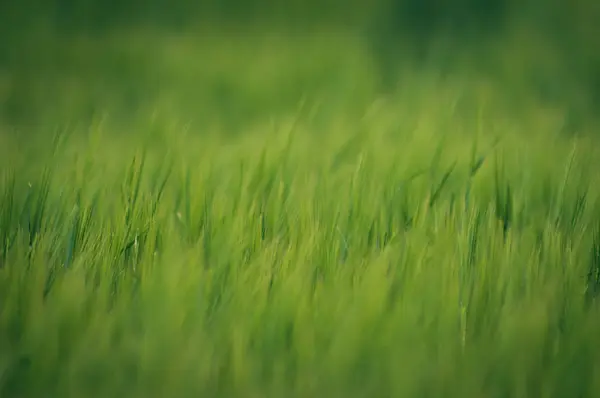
x,y
429,243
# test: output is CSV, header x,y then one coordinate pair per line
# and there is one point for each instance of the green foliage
x,y
286,231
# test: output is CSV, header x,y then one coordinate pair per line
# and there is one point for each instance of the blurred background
x,y
228,62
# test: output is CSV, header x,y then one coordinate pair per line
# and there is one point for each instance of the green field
x,y
197,214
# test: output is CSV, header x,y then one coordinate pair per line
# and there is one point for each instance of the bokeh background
x,y
230,61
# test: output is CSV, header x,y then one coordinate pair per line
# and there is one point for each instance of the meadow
x,y
227,215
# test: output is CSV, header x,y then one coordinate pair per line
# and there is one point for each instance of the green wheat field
x,y
225,215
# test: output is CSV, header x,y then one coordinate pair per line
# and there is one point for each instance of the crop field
x,y
223,215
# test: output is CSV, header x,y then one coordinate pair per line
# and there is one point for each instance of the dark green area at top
x,y
420,18
418,15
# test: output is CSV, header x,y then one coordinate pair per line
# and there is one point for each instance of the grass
x,y
305,239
